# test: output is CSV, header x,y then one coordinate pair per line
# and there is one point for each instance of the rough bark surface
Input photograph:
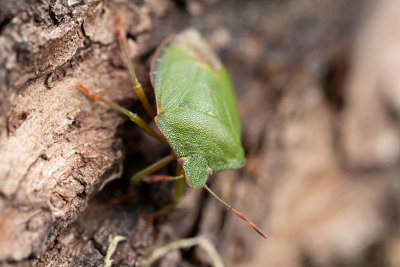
x,y
317,85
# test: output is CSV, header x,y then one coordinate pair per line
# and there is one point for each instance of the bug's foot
x,y
150,218
122,199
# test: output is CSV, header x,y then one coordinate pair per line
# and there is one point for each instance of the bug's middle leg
x,y
178,192
139,175
148,170
177,195
179,183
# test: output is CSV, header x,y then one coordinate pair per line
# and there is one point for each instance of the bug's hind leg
x,y
132,116
139,175
179,184
137,87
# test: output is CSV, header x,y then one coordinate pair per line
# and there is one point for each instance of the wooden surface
x,y
317,89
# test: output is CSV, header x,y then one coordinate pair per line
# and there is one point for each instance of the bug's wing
x,y
157,58
188,74
191,132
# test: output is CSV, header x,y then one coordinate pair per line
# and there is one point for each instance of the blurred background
x,y
318,91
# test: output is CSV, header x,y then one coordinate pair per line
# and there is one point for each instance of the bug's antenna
x,y
252,225
137,87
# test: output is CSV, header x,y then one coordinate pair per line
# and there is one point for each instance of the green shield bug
x,y
196,114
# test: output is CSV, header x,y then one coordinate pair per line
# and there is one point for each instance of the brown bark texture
x,y
318,90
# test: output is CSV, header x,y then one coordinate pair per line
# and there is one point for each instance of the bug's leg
x,y
137,87
240,215
149,170
178,191
179,184
160,178
132,116
140,174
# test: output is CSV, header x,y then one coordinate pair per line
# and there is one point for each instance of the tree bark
x,y
319,108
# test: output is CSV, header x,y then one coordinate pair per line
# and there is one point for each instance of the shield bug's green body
x,y
196,108
196,114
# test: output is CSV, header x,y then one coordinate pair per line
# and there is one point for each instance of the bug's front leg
x,y
137,87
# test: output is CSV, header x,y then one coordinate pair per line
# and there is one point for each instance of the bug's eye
x,y
182,160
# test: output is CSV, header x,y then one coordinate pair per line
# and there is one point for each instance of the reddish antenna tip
x,y
240,215
252,225
258,230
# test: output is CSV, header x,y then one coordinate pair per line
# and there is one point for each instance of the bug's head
x,y
196,170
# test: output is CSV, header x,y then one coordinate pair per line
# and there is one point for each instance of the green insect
x,y
196,114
